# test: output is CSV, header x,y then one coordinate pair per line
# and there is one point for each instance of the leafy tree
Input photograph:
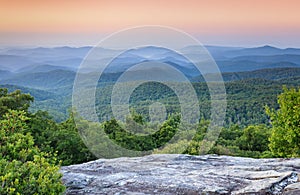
x,y
131,141
228,136
231,133
285,138
62,139
23,168
69,145
254,138
13,101
201,130
42,128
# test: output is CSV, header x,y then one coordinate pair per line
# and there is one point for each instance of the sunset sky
x,y
85,22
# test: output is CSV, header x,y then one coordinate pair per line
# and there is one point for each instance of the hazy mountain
x,y
270,58
248,65
42,80
41,68
48,73
14,62
4,74
229,59
266,74
261,51
148,54
42,53
39,95
217,52
72,63
18,58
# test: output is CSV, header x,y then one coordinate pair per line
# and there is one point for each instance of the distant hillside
x,y
43,80
254,76
270,58
39,95
229,59
56,104
248,65
247,93
43,53
267,74
14,62
41,68
262,51
4,74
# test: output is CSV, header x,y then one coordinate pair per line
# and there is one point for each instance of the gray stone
x,y
183,174
293,189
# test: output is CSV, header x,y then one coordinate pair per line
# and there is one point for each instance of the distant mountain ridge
x,y
272,74
263,51
54,79
229,59
42,80
41,68
48,73
55,68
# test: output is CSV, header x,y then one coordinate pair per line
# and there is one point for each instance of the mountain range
x,y
55,68
48,73
229,59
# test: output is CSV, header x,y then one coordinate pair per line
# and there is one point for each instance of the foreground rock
x,y
183,174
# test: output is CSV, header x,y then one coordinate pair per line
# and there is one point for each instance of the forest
x,y
41,131
33,145
116,87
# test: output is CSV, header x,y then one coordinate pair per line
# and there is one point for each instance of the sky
x,y
213,22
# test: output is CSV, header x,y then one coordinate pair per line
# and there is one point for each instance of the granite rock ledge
x,y
183,174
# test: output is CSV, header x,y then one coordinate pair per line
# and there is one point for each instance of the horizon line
x,y
49,46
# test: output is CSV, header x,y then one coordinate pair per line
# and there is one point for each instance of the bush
x,y
23,168
285,137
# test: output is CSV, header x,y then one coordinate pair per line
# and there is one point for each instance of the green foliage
x,y
228,136
62,139
69,145
122,135
245,100
251,141
247,94
254,138
285,138
41,127
23,168
15,144
173,148
28,142
13,101
201,130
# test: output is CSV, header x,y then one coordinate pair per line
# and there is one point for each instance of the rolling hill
x,y
229,59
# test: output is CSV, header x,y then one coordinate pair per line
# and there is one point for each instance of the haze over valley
x,y
48,73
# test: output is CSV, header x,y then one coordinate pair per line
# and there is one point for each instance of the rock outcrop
x,y
184,174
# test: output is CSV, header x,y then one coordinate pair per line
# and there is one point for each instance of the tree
x,y
23,168
62,139
42,127
69,145
131,141
285,137
254,138
13,101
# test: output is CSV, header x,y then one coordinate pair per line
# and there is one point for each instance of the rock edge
x,y
183,174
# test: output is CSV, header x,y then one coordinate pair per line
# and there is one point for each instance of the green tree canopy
x,y
13,101
23,168
254,138
285,138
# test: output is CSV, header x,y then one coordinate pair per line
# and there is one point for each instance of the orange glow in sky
x,y
210,18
